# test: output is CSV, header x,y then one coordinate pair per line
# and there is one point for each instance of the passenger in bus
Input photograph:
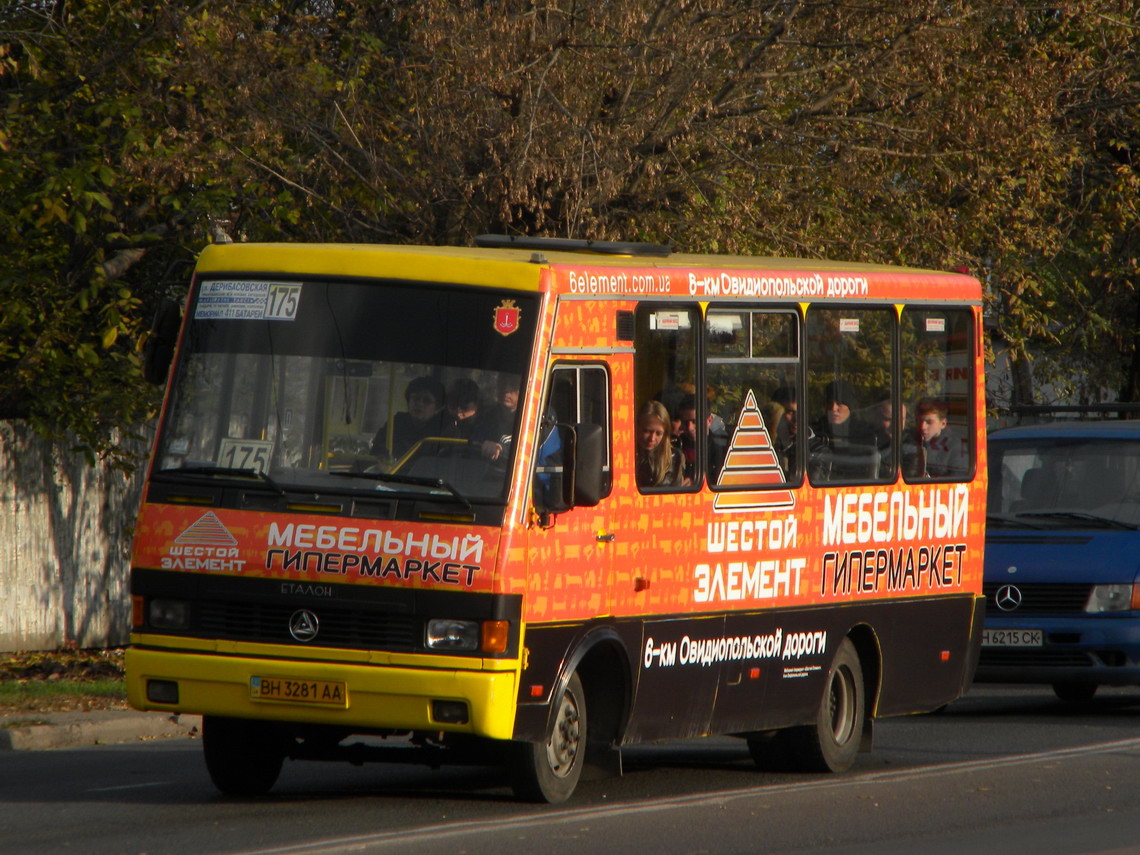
x,y
425,417
464,407
786,429
880,416
496,427
844,445
772,413
658,463
942,454
685,440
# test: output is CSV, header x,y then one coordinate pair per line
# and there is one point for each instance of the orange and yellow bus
x,y
537,499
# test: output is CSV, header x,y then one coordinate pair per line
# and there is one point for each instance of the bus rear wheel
x,y
243,757
549,771
831,743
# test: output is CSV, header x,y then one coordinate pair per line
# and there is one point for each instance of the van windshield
x,y
1065,483
404,388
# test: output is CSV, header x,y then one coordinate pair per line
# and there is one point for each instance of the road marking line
x,y
406,836
131,787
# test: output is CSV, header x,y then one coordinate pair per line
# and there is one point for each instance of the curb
x,y
33,731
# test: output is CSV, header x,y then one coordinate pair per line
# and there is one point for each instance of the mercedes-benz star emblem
x,y
1008,598
303,625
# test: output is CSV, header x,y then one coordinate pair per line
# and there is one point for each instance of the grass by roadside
x,y
61,680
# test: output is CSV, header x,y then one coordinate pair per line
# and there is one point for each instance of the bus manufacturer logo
x,y
303,625
1008,598
507,316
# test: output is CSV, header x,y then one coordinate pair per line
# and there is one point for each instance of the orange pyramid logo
x,y
207,531
751,460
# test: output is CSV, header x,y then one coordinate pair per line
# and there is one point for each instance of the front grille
x,y
1038,539
339,626
1040,598
1023,657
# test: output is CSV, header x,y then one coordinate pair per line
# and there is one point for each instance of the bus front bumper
x,y
364,696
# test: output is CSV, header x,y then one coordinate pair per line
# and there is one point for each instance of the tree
x,y
940,134
85,199
133,134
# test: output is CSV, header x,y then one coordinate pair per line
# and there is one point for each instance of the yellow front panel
x,y
378,696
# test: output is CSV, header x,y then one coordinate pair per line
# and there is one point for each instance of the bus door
x,y
661,527
570,551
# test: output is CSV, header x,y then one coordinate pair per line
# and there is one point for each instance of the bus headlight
x,y
1110,598
168,614
445,634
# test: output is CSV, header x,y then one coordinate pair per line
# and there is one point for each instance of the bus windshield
x,y
350,386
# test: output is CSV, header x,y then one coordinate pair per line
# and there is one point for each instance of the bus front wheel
x,y
831,743
243,757
549,771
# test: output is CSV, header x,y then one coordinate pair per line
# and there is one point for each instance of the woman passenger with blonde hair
x,y
659,464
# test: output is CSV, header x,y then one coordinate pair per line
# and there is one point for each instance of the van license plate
x,y
1012,638
295,690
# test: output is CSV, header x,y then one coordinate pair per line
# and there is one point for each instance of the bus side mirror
x,y
553,471
158,348
569,469
589,458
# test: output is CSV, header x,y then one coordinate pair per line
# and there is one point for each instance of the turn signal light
x,y
496,634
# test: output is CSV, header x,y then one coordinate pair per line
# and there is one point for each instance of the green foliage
x,y
132,134
75,214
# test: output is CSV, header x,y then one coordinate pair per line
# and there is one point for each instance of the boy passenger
x,y
943,454
685,439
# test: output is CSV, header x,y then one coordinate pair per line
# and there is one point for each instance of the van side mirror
x,y
158,348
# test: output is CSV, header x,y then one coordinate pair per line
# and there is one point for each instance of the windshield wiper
x,y
413,480
1105,522
225,471
1010,521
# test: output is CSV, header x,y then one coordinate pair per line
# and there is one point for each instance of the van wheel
x,y
243,757
830,745
549,771
1075,693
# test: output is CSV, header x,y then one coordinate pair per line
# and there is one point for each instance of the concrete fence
x,y
65,538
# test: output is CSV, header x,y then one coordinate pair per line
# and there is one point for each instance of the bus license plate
x,y
1012,638
294,690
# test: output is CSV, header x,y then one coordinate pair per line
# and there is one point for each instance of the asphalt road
x,y
1004,770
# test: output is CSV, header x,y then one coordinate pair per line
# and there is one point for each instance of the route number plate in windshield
x,y
245,454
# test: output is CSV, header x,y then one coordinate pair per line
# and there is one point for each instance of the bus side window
x,y
574,431
938,388
752,365
668,455
850,362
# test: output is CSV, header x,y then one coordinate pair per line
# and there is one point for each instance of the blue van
x,y
1062,562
